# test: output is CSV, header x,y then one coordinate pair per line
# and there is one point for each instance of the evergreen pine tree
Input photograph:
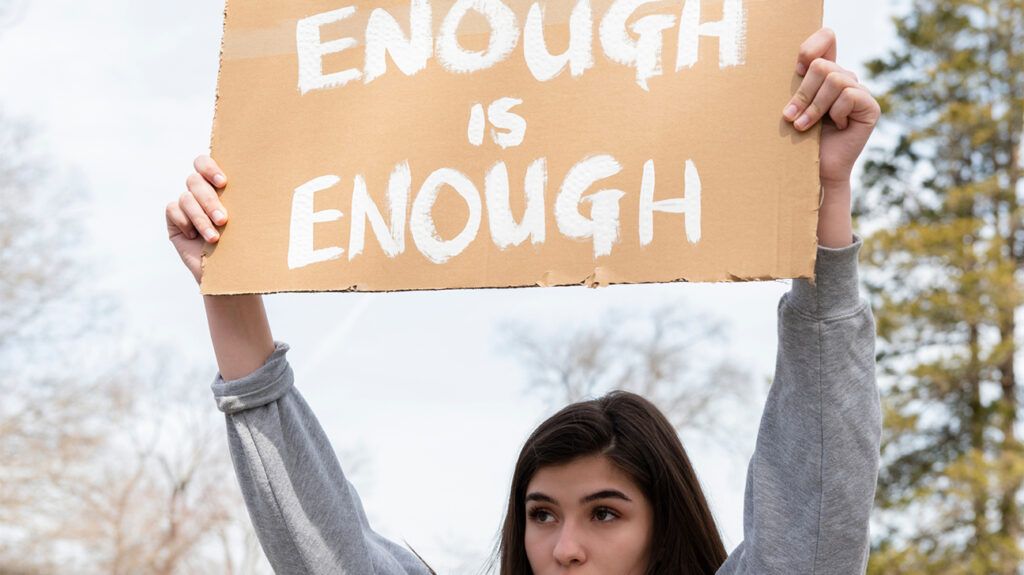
x,y
945,272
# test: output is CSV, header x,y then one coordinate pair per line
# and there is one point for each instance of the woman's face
x,y
587,517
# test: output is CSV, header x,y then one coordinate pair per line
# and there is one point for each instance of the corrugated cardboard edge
x,y
821,189
207,247
598,278
821,201
817,241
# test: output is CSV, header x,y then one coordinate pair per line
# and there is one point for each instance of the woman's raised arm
x,y
307,515
811,481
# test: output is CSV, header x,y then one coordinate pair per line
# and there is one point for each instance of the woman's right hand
x,y
192,219
238,324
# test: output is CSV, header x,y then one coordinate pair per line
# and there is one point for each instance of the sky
x,y
122,94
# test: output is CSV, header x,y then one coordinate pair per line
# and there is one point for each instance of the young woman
x,y
604,486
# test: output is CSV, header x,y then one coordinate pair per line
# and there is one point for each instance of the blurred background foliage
x,y
112,459
943,267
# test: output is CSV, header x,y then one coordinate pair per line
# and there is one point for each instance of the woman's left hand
x,y
850,113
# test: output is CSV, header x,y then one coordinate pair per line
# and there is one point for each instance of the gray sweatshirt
x,y
810,483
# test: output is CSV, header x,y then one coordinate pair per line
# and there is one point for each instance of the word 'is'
x,y
602,225
411,52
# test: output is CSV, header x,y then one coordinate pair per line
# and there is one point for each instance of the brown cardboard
x,y
758,177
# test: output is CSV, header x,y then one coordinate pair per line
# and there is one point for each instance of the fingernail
x,y
219,217
803,121
219,180
791,112
801,69
210,235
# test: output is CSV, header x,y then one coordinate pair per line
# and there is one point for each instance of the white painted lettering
x,y
392,240
503,119
504,36
300,240
603,224
384,36
311,51
730,30
424,232
578,56
477,125
504,230
689,204
645,53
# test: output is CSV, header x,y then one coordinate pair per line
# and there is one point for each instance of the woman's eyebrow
x,y
606,494
603,494
536,496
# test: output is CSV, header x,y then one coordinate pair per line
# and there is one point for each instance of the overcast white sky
x,y
123,93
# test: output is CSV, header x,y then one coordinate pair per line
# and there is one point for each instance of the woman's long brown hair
x,y
636,437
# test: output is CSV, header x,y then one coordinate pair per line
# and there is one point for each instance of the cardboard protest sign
x,y
427,144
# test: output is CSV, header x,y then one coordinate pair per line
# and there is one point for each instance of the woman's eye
x,y
605,514
541,515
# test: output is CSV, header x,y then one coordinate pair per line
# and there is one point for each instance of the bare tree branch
x,y
667,354
112,459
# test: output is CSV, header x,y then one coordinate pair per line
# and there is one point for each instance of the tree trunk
x,y
1008,409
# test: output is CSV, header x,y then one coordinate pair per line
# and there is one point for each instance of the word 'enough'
x,y
411,52
602,226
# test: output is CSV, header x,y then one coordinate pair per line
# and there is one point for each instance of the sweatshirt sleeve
x,y
811,481
307,515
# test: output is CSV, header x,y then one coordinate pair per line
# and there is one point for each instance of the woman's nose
x,y
570,549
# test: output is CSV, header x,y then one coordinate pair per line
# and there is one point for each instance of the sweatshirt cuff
x,y
265,385
834,291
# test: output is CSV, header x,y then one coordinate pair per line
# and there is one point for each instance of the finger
x,y
821,44
855,104
834,85
210,171
207,198
177,221
198,217
819,71
840,112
